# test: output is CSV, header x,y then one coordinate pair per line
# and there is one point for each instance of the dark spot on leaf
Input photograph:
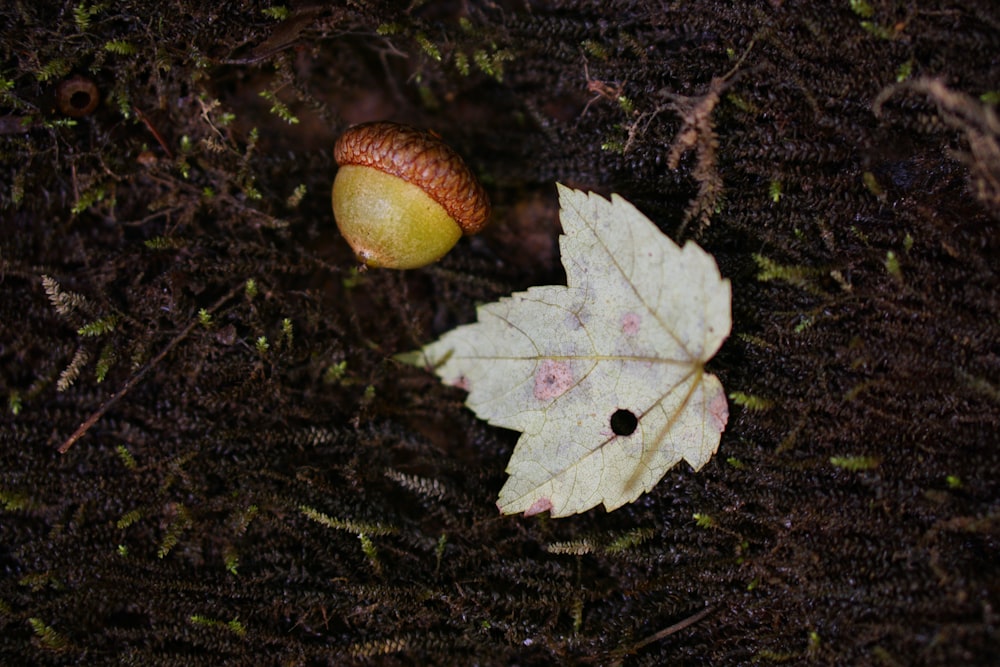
x,y
624,422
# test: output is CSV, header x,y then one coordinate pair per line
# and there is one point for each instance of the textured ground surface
x,y
270,488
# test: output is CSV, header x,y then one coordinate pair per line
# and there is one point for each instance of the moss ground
x,y
247,478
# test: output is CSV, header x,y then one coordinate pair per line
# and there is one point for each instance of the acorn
x,y
402,197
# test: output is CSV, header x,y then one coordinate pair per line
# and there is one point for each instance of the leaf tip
x,y
422,358
411,358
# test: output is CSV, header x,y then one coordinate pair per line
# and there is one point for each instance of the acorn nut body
x,y
402,198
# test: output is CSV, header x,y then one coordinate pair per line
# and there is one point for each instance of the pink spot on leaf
x,y
552,379
541,505
630,324
461,382
718,410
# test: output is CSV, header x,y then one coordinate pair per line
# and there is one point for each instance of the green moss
x,y
750,402
855,463
47,635
359,527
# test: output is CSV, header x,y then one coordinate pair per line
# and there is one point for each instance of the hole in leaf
x,y
623,422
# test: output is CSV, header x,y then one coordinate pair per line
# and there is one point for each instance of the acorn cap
x,y
77,96
420,158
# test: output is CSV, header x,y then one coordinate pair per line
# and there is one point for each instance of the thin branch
x,y
619,654
135,379
676,627
152,128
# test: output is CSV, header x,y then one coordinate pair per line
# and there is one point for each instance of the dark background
x,y
271,488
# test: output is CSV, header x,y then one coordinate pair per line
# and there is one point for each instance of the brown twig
x,y
665,632
135,379
676,627
149,126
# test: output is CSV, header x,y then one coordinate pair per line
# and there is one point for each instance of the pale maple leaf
x,y
603,377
